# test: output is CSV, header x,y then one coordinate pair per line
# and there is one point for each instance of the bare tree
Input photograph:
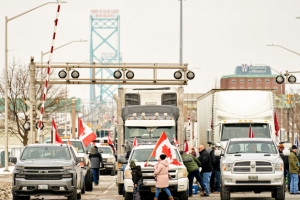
x,y
18,93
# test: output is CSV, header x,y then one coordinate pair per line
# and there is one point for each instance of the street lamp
x,y
42,54
6,78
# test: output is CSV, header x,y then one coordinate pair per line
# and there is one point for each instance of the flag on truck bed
x,y
163,146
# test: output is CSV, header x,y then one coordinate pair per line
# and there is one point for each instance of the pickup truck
x,y
251,164
47,169
140,154
108,158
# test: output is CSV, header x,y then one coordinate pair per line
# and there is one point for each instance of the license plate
x,y
153,189
252,178
42,187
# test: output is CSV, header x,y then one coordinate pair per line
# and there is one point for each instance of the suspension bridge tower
x,y
104,48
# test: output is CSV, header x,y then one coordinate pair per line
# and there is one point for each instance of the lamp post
x,y
6,79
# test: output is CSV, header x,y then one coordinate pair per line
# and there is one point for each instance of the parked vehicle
x,y
47,169
108,158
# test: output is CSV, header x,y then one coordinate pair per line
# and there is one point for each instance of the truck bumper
x,y
178,185
43,187
265,180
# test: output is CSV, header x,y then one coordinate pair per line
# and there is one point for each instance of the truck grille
x,y
43,177
43,168
252,167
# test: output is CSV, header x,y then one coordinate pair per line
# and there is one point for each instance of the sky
x,y
217,35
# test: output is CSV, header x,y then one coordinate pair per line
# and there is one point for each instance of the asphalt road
x,y
107,190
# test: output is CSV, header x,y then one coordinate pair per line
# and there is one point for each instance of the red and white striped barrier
x,y
48,72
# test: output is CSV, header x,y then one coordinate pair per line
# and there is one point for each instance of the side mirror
x,y
282,135
79,159
12,160
208,135
286,152
218,153
218,144
122,160
186,160
86,151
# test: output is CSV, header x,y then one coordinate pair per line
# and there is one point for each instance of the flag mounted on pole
x,y
250,132
85,133
135,143
186,147
56,138
163,146
276,125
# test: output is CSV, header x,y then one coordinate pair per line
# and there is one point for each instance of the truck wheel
x,y
225,193
15,197
128,196
113,172
89,180
73,196
83,188
120,189
183,195
280,193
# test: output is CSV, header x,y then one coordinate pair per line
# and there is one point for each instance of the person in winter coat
x,y
193,169
215,176
293,170
206,171
285,165
95,158
137,179
162,175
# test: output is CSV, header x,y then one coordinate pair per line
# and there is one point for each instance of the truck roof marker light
x,y
134,115
156,114
171,118
240,120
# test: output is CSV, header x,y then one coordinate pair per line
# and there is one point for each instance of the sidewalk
x,y
5,177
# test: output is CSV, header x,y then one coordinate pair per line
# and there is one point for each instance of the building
x,y
252,77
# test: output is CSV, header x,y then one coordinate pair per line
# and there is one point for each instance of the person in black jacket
x,y
95,158
285,165
206,171
137,179
215,176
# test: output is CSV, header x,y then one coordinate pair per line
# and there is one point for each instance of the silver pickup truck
x,y
46,170
251,164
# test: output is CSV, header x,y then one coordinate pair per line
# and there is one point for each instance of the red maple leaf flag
x,y
85,133
135,143
276,125
163,146
186,146
250,132
110,142
56,138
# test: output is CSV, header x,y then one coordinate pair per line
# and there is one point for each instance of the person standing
x,y
162,177
215,176
285,165
193,169
95,158
137,179
194,152
206,171
293,170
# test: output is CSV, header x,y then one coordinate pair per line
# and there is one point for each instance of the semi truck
x,y
142,114
223,114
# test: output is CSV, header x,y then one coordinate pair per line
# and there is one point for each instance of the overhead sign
x,y
245,69
105,13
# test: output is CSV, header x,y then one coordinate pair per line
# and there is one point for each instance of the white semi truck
x,y
143,113
223,114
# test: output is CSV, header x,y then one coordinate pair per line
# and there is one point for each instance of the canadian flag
x,y
110,143
56,138
163,146
175,142
135,143
250,133
186,147
276,124
85,134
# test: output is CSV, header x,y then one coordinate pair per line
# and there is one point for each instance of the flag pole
x,y
145,165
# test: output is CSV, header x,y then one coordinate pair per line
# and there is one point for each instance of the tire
x,y
225,193
120,189
79,195
183,195
280,193
89,180
128,196
113,172
15,197
83,188
73,196
273,194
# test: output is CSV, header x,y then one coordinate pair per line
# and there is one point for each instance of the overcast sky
x,y
218,35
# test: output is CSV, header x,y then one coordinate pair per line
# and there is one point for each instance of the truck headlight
x,y
19,167
127,173
278,166
71,167
182,173
226,167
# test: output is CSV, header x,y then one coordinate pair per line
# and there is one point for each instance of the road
x,y
107,190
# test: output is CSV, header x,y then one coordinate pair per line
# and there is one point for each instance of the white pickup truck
x,y
251,164
140,154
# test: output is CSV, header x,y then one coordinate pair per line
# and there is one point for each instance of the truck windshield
x,y
251,147
77,144
148,132
241,131
142,155
48,152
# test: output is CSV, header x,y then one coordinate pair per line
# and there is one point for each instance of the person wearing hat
x,y
137,179
162,177
193,169
293,170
